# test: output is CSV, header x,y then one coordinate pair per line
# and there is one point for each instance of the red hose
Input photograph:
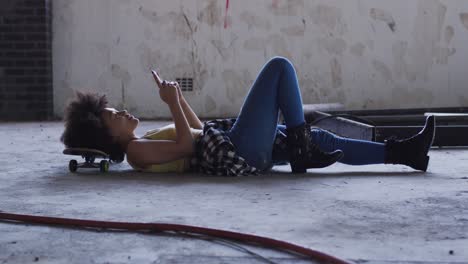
x,y
162,227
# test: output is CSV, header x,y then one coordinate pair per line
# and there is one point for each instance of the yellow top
x,y
167,133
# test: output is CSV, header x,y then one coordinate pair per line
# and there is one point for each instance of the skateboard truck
x,y
89,155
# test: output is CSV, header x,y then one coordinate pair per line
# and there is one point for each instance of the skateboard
x,y
89,155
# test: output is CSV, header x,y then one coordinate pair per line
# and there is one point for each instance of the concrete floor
x,y
371,214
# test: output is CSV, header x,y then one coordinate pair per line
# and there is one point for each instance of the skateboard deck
x,y
89,155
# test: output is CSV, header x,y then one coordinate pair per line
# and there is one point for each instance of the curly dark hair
x,y
84,127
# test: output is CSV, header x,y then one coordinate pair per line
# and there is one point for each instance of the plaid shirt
x,y
216,155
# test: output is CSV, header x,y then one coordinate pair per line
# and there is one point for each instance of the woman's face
x,y
120,123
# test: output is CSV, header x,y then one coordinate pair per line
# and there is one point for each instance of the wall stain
x,y
464,19
328,18
462,99
449,33
357,49
226,15
254,43
255,21
383,70
121,73
286,8
211,14
274,4
104,51
442,54
279,45
309,90
337,80
426,35
149,15
399,51
210,104
332,45
218,44
176,22
198,73
236,84
382,15
294,31
224,50
148,58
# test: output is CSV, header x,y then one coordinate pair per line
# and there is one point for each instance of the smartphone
x,y
157,78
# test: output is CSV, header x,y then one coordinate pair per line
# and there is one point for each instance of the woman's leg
x,y
356,152
276,88
412,152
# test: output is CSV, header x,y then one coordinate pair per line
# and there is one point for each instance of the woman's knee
x,y
279,62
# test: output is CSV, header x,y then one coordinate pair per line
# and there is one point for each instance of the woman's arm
x,y
192,118
146,152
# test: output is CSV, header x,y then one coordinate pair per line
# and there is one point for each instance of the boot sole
x,y
430,119
424,162
300,168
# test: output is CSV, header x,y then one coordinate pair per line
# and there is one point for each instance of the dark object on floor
x,y
155,228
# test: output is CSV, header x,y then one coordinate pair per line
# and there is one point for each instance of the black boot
x,y
412,151
303,154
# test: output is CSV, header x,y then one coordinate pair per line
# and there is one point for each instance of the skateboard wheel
x,y
104,166
73,165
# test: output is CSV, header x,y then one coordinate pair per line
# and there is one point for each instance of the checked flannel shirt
x,y
216,155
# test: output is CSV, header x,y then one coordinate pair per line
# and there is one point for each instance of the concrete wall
x,y
365,54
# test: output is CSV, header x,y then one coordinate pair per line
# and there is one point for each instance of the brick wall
x,y
25,60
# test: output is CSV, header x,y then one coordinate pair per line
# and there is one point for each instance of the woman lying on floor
x,y
252,143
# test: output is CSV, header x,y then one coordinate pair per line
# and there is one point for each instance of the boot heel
x,y
420,164
296,168
425,163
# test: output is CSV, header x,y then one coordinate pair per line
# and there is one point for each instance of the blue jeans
x,y
277,88
356,152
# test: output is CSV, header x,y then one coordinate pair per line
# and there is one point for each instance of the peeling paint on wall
x,y
211,14
384,71
328,18
449,33
357,49
287,8
382,15
121,73
294,30
337,80
226,15
412,50
149,58
400,66
222,51
426,35
236,84
279,45
175,20
210,104
335,46
442,54
254,21
464,19
254,43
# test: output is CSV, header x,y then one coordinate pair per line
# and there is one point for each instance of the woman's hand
x,y
168,91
